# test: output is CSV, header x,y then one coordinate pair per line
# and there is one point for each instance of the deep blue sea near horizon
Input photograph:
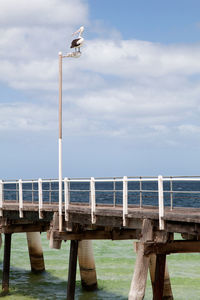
x,y
185,193
114,259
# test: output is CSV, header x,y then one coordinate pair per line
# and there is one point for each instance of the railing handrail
x,y
111,179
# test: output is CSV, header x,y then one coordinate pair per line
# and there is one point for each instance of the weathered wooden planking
x,y
134,212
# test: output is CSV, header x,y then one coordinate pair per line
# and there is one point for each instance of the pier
x,y
148,210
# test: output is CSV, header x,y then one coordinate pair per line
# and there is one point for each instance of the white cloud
x,y
39,13
139,58
27,116
117,88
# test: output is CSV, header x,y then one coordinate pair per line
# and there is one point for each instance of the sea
x,y
185,193
114,260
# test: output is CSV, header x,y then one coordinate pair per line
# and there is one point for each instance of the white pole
x,y
75,54
161,203
60,141
20,199
125,199
66,189
93,200
40,198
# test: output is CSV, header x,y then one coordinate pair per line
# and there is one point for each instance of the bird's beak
x,y
76,32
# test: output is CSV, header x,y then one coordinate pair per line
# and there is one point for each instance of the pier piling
x,y
167,291
87,265
6,264
35,251
72,270
159,277
138,284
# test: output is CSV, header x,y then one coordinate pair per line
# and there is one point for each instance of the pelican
x,y
77,43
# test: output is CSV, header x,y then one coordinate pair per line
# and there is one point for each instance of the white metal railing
x,y
125,199
42,192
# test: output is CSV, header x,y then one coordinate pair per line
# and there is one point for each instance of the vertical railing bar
x,y
93,200
40,198
20,198
17,192
90,201
140,192
32,192
66,196
171,194
125,199
161,202
114,195
69,187
1,198
50,191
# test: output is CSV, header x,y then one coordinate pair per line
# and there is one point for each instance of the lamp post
x,y
60,56
60,142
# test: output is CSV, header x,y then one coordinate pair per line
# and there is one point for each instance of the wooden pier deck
x,y
152,226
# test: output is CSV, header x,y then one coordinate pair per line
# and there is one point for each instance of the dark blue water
x,y
185,193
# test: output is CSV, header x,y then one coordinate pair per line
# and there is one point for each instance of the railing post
x,y
93,200
161,203
114,190
21,215
32,196
50,191
171,193
66,190
40,198
140,192
125,199
17,192
1,198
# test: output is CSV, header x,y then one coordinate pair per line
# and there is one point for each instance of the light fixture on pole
x,y
76,44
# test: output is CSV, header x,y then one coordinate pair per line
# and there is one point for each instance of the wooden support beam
x,y
183,227
18,228
167,291
159,277
172,247
72,270
124,234
54,243
6,264
138,284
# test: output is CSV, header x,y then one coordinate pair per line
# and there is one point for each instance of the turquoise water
x,y
114,263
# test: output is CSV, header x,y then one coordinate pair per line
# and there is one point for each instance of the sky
x,y
131,102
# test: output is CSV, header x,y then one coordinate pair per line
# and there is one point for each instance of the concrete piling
x,y
35,251
87,265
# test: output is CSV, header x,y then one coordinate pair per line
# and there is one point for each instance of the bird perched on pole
x,y
77,43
